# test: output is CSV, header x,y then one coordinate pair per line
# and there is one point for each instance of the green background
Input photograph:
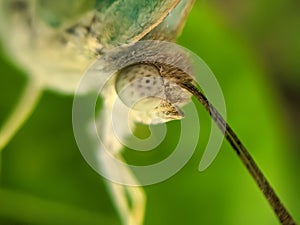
x,y
253,49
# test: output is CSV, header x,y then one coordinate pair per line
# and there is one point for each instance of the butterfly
x,y
56,41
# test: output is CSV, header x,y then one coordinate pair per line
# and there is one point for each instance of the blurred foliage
x,y
273,29
45,180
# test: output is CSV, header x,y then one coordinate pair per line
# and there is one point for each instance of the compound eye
x,y
140,87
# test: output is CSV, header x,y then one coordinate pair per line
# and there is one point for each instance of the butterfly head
x,y
151,97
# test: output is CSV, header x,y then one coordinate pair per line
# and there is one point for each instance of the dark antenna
x,y
269,193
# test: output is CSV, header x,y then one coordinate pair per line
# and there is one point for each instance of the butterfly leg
x,y
129,201
21,112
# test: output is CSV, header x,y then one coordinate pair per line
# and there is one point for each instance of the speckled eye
x,y
140,87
